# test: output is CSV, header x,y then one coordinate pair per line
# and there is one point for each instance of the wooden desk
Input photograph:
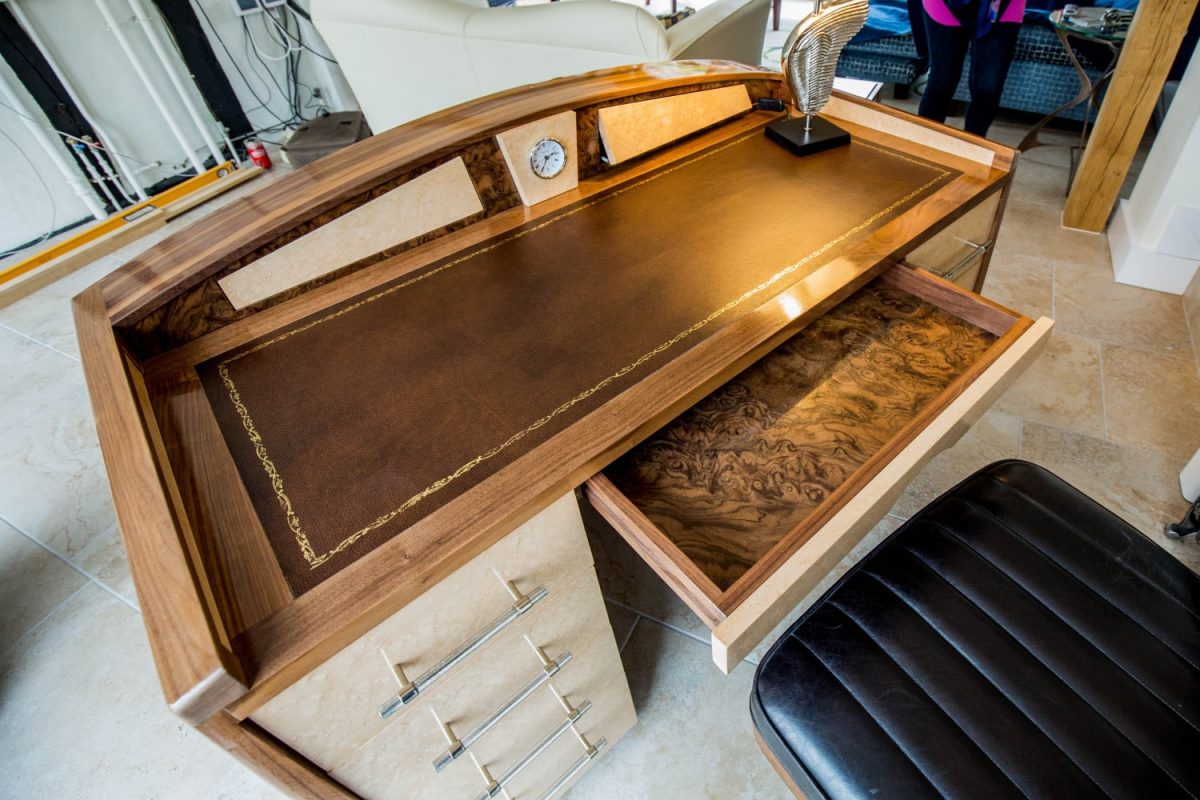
x,y
345,418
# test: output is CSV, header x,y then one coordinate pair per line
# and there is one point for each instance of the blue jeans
x,y
991,56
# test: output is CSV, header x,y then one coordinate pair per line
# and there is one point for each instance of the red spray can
x,y
258,154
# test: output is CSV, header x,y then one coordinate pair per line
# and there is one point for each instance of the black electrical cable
x,y
299,39
292,4
312,95
280,33
250,48
263,104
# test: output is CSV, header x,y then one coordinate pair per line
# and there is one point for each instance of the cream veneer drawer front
x,y
957,252
336,707
565,761
399,762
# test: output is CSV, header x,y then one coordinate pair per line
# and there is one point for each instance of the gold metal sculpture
x,y
810,56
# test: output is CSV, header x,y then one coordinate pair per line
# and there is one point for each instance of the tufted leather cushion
x,y
1013,638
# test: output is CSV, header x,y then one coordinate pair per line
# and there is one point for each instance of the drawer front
x,y
958,252
553,771
781,593
429,638
401,761
808,455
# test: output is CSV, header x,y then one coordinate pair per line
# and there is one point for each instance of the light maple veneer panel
x,y
517,144
429,201
634,128
399,761
910,130
335,708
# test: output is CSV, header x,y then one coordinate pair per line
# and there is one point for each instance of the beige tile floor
x,y
1112,407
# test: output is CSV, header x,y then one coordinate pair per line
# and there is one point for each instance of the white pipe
x,y
53,150
171,67
151,89
98,156
109,142
81,150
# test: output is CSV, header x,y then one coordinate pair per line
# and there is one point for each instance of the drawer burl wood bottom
x,y
398,763
804,446
749,462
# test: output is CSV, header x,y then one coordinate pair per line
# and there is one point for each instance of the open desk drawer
x,y
745,501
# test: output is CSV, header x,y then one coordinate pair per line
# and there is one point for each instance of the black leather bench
x,y
1012,639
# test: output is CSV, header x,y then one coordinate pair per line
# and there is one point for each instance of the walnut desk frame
x,y
239,477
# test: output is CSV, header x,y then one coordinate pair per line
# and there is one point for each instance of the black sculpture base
x,y
823,135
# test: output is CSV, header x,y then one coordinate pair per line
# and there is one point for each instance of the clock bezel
x,y
533,150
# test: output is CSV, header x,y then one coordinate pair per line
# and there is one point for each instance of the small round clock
x,y
548,158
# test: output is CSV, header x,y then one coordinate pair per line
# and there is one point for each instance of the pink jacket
x,y
940,13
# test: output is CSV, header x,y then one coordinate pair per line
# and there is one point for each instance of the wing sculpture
x,y
811,51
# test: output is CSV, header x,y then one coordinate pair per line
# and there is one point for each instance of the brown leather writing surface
x,y
349,426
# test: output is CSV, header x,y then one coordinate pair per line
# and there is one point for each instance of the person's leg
x,y
991,56
916,20
947,51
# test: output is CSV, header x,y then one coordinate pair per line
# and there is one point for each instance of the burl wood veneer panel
x,y
727,479
440,197
347,427
634,128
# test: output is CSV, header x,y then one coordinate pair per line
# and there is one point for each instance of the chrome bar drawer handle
x,y
459,746
977,251
590,751
496,786
409,690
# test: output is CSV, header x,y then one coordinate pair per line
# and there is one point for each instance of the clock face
x,y
547,158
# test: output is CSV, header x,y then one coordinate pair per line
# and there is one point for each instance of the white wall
x,y
1155,234
27,208
76,36
1171,175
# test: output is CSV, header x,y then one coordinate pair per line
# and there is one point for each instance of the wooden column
x,y
1154,38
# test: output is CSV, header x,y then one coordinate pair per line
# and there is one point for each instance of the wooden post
x,y
1153,40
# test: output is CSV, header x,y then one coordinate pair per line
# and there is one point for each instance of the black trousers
x,y
991,56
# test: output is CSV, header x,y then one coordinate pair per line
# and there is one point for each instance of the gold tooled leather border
x,y
260,449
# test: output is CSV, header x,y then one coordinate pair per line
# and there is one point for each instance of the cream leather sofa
x,y
407,58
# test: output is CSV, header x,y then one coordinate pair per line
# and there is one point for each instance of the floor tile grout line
x,y
35,626
625,606
652,618
114,593
676,629
101,584
39,342
629,635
